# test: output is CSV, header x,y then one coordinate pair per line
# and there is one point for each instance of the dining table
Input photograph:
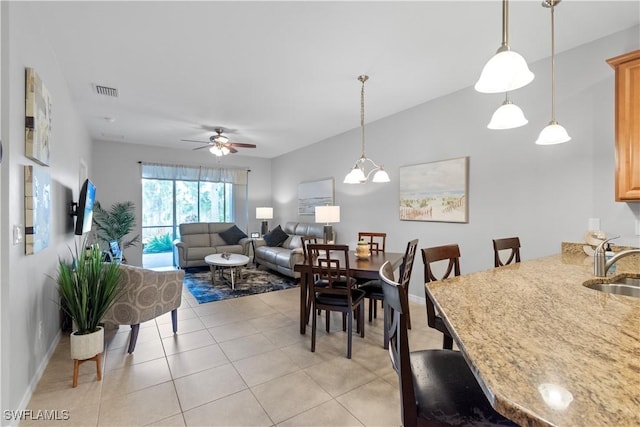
x,y
545,348
359,268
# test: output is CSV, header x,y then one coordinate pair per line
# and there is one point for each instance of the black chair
x,y
373,288
512,243
450,253
333,289
436,386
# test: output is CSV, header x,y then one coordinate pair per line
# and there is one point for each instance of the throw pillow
x,y
275,237
232,235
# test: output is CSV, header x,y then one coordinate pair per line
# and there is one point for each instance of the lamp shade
x,y
327,214
381,176
264,213
552,134
507,116
504,72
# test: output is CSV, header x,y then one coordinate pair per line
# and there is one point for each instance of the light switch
x,y
17,234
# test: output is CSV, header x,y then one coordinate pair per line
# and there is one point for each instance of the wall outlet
x,y
18,236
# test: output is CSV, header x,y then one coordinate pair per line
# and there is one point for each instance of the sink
x,y
628,286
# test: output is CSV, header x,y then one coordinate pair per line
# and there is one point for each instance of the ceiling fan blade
x,y
241,145
204,146
193,140
232,150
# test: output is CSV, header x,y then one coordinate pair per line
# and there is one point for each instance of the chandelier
x,y
358,174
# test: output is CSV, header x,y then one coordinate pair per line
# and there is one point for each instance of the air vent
x,y
106,91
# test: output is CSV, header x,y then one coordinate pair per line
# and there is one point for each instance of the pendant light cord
x,y
505,25
553,63
363,79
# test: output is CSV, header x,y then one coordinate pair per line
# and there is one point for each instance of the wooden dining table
x,y
366,268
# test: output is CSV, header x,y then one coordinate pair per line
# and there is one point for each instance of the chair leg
x,y
133,338
361,318
447,342
349,334
387,314
174,320
371,303
375,309
327,315
313,329
344,321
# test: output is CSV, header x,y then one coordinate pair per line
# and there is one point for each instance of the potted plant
x,y
88,287
115,223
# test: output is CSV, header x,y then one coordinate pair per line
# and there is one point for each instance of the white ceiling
x,y
283,75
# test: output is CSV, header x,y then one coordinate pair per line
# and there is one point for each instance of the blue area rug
x,y
253,281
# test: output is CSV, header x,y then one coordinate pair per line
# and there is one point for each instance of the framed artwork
x,y
436,191
315,193
37,208
37,118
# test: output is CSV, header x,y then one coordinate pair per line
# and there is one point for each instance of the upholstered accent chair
x,y
145,295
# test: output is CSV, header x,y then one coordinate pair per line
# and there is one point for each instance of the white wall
x,y
543,194
29,309
116,174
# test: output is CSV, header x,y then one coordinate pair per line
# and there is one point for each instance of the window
x,y
172,195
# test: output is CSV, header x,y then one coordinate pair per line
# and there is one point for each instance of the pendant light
x,y
507,116
506,70
357,175
553,133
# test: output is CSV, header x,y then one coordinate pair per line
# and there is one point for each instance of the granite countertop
x,y
546,349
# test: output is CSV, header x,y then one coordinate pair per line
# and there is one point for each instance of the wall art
x,y
37,119
37,208
436,191
315,193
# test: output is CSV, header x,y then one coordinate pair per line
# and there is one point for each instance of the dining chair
x,y
512,243
436,386
333,289
451,254
373,288
377,241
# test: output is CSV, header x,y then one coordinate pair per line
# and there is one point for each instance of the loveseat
x,y
282,258
199,239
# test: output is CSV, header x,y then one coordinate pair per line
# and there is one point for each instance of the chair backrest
x,y
450,253
396,302
512,243
330,265
306,240
407,264
377,241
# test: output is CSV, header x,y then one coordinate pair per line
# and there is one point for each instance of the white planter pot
x,y
88,345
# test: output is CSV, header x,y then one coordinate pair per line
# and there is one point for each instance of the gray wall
x,y
543,194
29,309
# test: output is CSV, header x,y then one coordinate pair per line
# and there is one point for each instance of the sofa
x,y
199,239
284,257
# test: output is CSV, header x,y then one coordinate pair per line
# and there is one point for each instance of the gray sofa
x,y
284,257
199,239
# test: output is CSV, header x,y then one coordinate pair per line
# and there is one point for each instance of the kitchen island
x,y
546,349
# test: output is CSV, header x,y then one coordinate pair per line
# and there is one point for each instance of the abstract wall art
x,y
37,118
37,208
314,193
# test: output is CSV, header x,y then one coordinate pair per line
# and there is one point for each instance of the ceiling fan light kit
x,y
553,133
219,145
357,175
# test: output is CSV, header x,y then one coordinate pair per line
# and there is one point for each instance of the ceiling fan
x,y
220,145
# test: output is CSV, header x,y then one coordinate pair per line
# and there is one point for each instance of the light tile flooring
x,y
239,362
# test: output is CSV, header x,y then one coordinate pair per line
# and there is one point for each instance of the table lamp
x,y
328,215
264,214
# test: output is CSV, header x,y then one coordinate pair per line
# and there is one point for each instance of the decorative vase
x,y
362,249
88,345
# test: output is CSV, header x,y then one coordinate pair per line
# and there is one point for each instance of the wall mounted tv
x,y
83,210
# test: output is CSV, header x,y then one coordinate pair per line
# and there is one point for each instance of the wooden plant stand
x,y
78,362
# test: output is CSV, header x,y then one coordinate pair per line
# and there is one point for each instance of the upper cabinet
x,y
627,119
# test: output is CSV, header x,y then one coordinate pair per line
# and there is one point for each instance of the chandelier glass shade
x,y
506,70
219,150
358,174
553,133
507,116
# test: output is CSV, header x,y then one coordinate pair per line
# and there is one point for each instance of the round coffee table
x,y
234,264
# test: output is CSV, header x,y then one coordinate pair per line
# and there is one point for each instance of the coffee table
x,y
217,264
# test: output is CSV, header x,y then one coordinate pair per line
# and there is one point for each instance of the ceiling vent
x,y
106,91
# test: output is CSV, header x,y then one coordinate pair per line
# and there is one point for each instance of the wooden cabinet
x,y
627,119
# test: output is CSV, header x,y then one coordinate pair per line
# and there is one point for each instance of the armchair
x,y
146,294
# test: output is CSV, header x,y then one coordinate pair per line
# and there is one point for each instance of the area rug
x,y
253,281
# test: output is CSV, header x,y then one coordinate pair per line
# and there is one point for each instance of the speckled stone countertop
x,y
546,349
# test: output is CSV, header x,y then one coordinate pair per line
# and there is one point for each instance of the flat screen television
x,y
84,209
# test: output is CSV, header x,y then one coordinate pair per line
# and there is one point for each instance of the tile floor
x,y
239,362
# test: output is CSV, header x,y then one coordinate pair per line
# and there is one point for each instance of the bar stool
x,y
512,243
450,253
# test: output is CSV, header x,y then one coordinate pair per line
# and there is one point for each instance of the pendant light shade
x,y
553,133
507,116
357,175
506,70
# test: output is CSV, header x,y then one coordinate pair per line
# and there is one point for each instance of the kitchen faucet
x,y
600,263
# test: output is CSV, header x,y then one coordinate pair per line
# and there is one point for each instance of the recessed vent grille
x,y
106,91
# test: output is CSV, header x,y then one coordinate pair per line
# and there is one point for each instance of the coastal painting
x,y
37,208
435,191
37,119
315,193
